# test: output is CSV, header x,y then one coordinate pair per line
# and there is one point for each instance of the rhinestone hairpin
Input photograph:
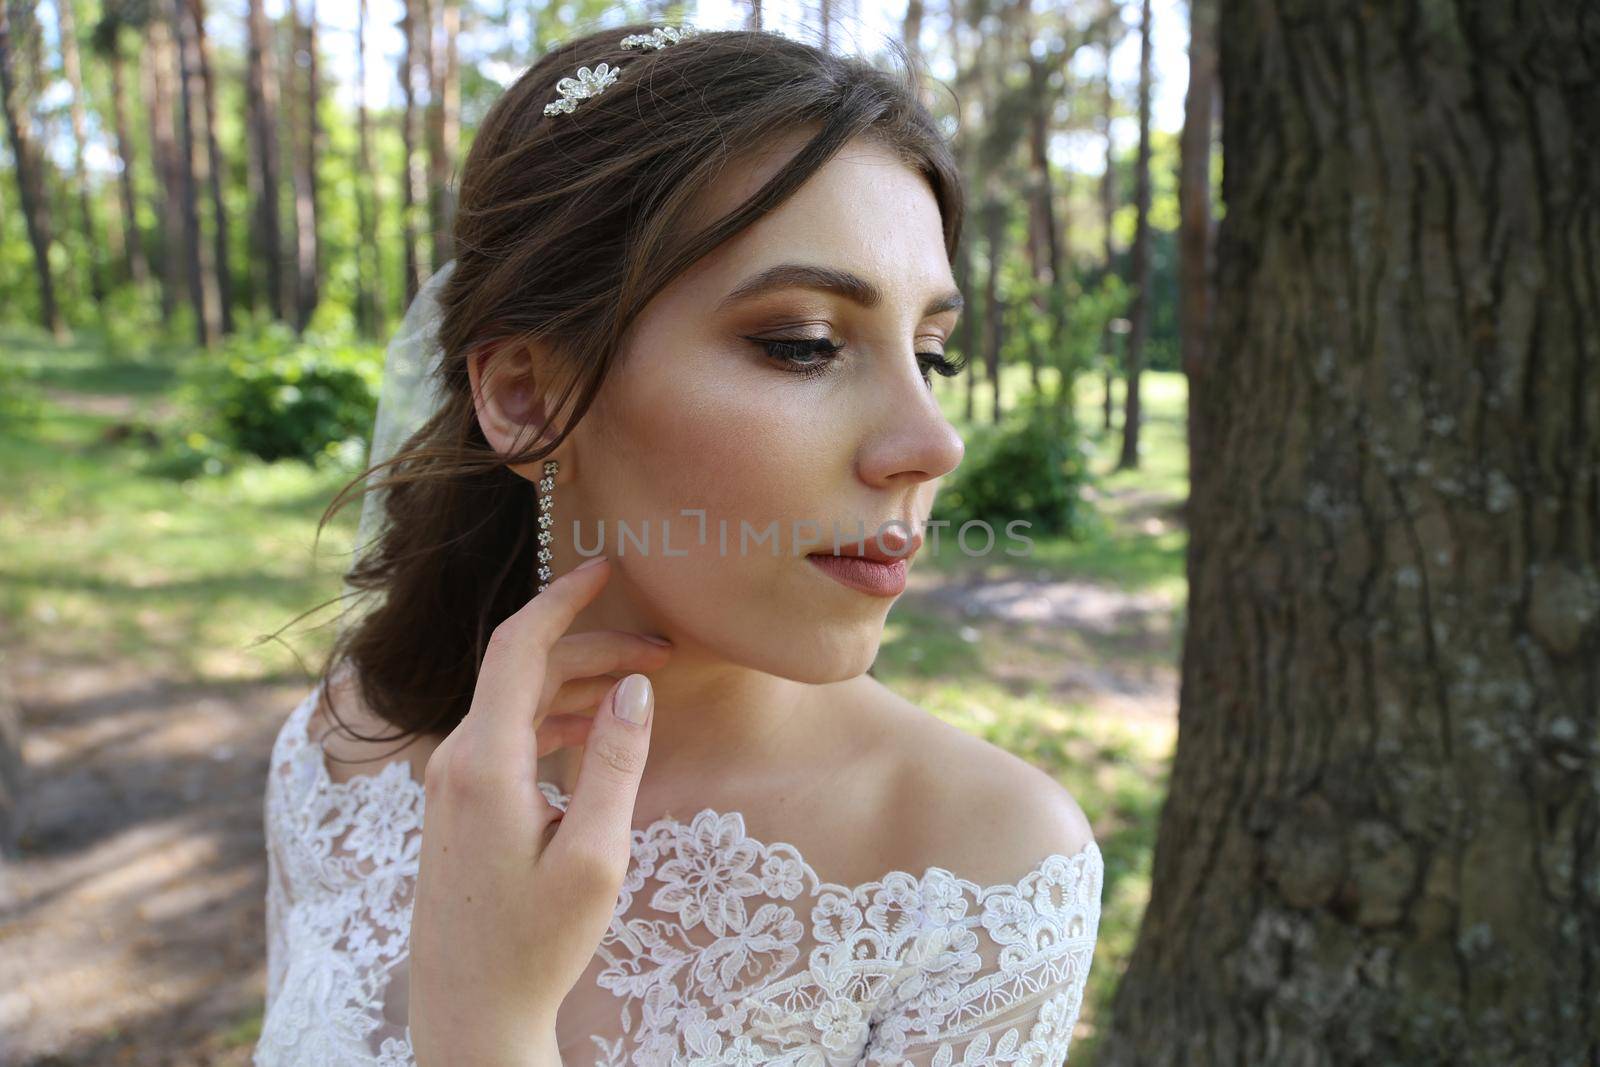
x,y
586,82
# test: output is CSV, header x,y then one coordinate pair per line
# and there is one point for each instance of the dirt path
x,y
131,930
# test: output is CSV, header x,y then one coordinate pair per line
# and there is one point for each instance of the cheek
x,y
716,432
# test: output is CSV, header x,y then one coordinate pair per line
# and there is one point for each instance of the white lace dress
x,y
722,949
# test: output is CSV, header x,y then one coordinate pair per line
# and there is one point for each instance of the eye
x,y
940,364
806,356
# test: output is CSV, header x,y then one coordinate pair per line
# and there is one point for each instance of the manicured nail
x,y
634,700
589,563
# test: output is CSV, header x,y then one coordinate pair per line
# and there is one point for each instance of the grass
x,y
105,559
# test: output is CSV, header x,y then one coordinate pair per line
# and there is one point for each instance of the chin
x,y
814,652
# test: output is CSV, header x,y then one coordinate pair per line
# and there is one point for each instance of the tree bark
x,y
413,182
1139,313
1108,211
266,172
30,178
67,31
1379,844
138,263
308,251
369,263
160,60
214,169
442,116
1196,238
195,172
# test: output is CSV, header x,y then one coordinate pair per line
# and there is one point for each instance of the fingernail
x,y
589,563
662,641
634,700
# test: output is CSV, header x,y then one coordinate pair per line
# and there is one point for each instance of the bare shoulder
x,y
356,741
972,807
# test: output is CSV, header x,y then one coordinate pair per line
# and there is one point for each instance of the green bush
x,y
276,397
1033,466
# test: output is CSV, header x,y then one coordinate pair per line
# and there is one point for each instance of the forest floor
x,y
132,923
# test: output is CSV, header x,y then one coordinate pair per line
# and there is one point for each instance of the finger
x,y
602,652
580,694
563,731
511,679
596,834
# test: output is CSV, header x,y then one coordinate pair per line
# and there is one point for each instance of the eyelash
x,y
788,350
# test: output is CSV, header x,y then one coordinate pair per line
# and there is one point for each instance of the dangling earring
x,y
547,486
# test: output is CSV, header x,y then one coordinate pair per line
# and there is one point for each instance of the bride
x,y
702,284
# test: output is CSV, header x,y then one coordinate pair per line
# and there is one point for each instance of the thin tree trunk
x,y
413,184
1108,211
30,182
1379,844
138,264
308,250
214,169
1044,246
196,172
369,263
994,233
267,174
1196,243
911,29
449,130
67,27
433,123
1139,327
161,91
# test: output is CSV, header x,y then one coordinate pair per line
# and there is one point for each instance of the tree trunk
x,y
413,183
30,178
1108,211
369,262
67,31
994,233
138,264
1139,314
1196,231
214,169
195,173
307,242
161,92
266,175
1379,845
442,116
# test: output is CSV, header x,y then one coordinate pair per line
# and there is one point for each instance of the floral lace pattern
x,y
722,950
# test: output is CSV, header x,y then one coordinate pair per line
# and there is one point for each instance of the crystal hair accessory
x,y
586,82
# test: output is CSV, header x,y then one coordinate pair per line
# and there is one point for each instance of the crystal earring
x,y
547,486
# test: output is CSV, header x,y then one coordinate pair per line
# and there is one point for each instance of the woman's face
x,y
697,415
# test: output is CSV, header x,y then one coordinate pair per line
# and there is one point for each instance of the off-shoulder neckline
x,y
323,781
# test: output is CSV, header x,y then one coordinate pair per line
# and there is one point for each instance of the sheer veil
x,y
409,393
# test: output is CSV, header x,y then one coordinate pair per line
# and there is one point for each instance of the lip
x,y
897,547
868,568
864,575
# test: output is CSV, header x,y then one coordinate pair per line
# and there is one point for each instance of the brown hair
x,y
567,226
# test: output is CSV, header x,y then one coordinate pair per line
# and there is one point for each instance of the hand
x,y
512,898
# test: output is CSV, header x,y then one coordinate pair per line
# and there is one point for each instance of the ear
x,y
510,401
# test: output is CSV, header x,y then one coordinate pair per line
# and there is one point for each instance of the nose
x,y
910,440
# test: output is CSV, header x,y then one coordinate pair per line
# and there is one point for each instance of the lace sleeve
x,y
277,904
1000,978
342,863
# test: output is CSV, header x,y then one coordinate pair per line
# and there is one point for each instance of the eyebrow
x,y
828,279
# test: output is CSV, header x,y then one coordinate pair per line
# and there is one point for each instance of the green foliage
x,y
272,396
1032,466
